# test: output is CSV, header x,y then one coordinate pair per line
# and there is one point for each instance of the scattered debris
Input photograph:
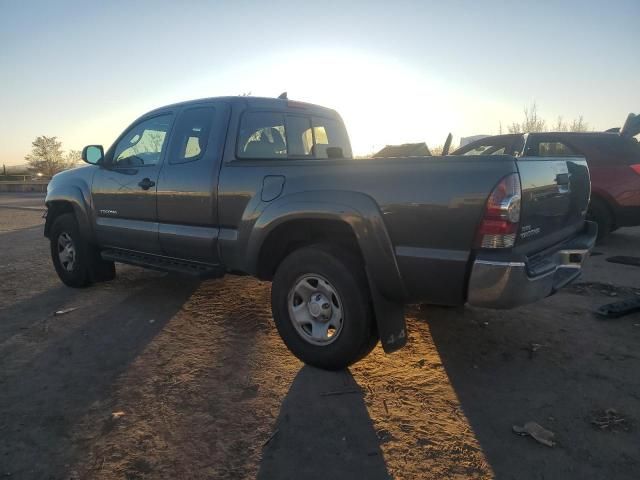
x,y
618,309
64,311
610,420
341,392
624,260
153,320
608,289
385,436
117,415
539,433
386,408
271,437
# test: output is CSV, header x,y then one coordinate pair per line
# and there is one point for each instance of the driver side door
x,y
124,190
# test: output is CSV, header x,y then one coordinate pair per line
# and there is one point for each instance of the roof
x,y
404,150
253,102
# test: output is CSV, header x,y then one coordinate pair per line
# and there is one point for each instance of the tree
x,y
47,157
533,123
73,158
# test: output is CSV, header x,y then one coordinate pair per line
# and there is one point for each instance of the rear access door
x,y
555,192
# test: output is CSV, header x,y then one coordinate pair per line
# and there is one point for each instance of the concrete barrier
x,y
17,186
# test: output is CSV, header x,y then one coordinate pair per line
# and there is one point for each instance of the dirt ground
x,y
155,376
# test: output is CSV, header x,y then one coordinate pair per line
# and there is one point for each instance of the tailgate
x,y
555,198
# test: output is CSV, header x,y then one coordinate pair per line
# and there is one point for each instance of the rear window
x,y
330,138
555,149
270,135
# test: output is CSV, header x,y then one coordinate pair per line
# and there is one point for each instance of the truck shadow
x,y
46,393
323,431
528,364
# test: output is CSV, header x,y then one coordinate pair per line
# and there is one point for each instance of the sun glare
x,y
381,101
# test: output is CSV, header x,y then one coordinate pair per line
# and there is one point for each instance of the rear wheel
x,y
77,263
322,307
599,212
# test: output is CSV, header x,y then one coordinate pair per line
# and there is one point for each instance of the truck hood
x,y
75,176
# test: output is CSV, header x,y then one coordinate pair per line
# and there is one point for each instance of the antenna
x,y
283,96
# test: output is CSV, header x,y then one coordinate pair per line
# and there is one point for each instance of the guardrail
x,y
18,186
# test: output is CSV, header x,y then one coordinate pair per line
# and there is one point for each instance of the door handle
x,y
146,183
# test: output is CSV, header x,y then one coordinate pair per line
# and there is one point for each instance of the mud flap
x,y
392,328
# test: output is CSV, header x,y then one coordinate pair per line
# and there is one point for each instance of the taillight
x,y
499,225
636,168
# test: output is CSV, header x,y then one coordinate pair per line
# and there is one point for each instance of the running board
x,y
163,264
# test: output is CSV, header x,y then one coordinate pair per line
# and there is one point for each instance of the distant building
x,y
404,150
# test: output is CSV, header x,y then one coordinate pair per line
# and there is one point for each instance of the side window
x,y
299,136
554,149
330,139
262,135
191,135
266,135
143,144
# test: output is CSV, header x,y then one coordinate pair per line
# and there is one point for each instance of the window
x,y
487,150
191,135
331,139
262,135
554,149
299,136
142,146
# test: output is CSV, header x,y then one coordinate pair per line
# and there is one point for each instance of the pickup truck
x,y
268,187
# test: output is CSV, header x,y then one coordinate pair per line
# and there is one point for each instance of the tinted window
x,y
143,144
191,135
330,134
555,149
299,136
262,135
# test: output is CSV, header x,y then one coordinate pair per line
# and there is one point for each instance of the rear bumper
x,y
507,284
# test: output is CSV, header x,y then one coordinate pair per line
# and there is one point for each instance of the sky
x,y
397,71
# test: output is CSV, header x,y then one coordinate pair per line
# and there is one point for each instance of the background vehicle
x,y
267,187
614,165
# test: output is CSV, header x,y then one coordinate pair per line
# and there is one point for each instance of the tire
x,y
77,263
599,212
330,272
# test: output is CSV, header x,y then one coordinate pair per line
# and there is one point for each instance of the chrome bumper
x,y
504,284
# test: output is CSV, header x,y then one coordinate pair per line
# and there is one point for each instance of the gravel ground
x,y
157,376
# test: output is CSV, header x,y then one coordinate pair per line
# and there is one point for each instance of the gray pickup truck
x,y
268,187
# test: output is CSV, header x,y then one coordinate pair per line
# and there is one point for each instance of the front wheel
x,y
322,307
77,263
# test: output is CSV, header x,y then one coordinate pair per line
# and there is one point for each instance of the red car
x,y
613,158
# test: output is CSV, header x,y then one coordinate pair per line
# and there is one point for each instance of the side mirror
x,y
93,154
